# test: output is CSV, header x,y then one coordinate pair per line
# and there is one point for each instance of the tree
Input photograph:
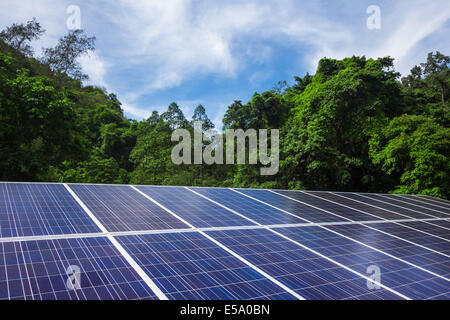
x,y
174,116
38,125
200,115
63,57
414,149
324,145
19,36
436,69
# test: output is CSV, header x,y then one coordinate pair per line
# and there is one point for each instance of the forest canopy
x,y
354,125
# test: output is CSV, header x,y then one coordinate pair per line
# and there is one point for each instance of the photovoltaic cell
x,y
343,212
414,200
39,270
121,208
301,210
399,276
429,228
308,274
411,253
371,211
384,204
413,235
407,205
433,200
250,208
193,208
190,266
441,223
40,209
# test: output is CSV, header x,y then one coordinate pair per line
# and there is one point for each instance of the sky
x,y
151,53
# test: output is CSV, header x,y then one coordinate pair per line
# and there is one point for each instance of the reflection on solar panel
x,y
250,208
299,209
199,211
343,212
120,208
141,242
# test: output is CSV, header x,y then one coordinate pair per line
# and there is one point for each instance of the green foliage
x,y
416,149
38,124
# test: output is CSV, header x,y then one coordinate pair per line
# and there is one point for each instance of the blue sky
x,y
151,53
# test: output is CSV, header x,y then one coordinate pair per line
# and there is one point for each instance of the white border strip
x,y
205,229
121,249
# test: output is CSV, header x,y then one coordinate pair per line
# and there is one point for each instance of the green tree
x,y
415,150
19,36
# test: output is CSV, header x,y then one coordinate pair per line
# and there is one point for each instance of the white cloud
x,y
149,46
94,66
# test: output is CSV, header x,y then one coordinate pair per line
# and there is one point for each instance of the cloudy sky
x,y
153,52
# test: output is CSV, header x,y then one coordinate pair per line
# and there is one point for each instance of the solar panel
x,y
408,205
40,209
372,212
40,270
308,274
144,242
397,275
121,208
421,203
385,204
193,208
299,209
435,261
441,223
342,212
190,266
429,227
250,208
431,200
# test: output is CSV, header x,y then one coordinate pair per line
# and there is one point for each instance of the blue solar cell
x,y
441,223
422,204
395,274
401,249
301,210
341,211
308,274
250,208
430,199
39,270
193,208
416,236
429,227
40,209
417,212
121,208
373,213
385,205
187,265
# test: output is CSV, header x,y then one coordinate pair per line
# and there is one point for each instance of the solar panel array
x,y
73,241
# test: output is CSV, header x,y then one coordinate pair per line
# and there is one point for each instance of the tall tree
x,y
200,115
19,36
63,57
